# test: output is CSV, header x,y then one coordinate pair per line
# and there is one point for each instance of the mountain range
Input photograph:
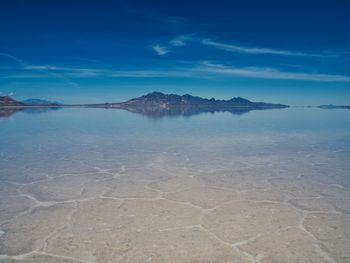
x,y
158,99
6,101
40,102
331,106
155,105
158,105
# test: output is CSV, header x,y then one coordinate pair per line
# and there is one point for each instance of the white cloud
x,y
202,70
191,70
180,41
269,73
160,50
256,50
16,59
23,65
177,42
37,71
40,67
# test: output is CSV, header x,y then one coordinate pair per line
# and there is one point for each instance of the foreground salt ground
x,y
175,207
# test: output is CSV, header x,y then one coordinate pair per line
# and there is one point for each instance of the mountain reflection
x,y
8,112
159,112
150,112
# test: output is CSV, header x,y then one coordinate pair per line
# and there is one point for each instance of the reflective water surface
x,y
97,185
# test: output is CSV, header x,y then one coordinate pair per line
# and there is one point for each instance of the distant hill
x,y
158,99
331,106
9,106
39,102
8,101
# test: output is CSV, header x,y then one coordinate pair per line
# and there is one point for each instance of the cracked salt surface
x,y
134,197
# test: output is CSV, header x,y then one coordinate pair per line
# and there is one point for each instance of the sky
x,y
293,52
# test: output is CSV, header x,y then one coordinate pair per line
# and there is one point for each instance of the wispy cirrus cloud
x,y
160,50
202,70
31,71
179,41
182,41
16,59
269,73
190,70
23,65
257,50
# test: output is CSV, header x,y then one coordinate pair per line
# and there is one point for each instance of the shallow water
x,y
96,185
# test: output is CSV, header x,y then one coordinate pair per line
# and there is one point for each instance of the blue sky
x,y
295,52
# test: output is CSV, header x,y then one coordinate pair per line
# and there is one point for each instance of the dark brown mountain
x,y
158,105
158,99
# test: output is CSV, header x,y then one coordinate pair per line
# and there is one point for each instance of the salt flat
x,y
261,187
